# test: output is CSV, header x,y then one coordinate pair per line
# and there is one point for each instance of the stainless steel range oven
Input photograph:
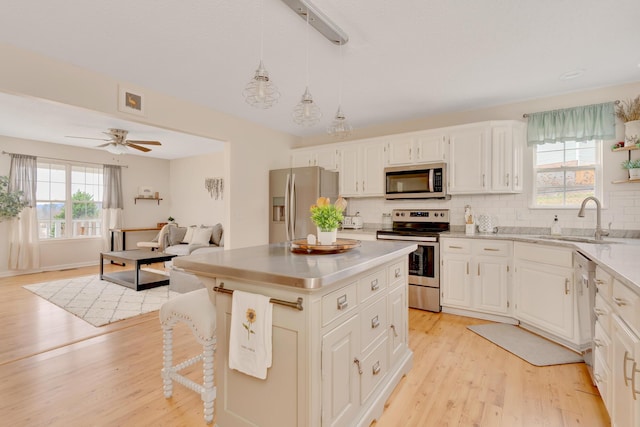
x,y
422,227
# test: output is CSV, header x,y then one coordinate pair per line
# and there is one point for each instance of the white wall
x,y
139,170
621,201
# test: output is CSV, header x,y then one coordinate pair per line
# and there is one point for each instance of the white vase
x,y
631,133
327,237
634,173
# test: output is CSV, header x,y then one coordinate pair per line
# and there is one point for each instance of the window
x,y
566,172
69,200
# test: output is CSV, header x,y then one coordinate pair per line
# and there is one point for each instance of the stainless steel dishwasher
x,y
584,273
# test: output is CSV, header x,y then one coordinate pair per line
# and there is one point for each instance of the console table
x,y
124,232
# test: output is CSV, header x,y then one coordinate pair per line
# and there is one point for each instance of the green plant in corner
x,y
11,202
631,164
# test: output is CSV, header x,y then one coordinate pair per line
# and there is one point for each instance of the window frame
x,y
597,167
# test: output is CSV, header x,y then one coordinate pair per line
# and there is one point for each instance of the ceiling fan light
x,y
260,92
306,112
116,148
340,126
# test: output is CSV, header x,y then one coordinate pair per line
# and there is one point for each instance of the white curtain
x,y
112,205
24,245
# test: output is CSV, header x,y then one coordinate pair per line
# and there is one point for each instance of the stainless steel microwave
x,y
424,181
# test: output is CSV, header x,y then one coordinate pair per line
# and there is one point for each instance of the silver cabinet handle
x,y
375,285
634,392
516,179
491,249
357,362
507,180
455,247
342,302
599,312
620,301
375,369
566,286
598,378
375,322
398,274
597,342
600,282
482,180
393,328
624,368
467,267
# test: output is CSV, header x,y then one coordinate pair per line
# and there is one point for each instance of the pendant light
x,y
340,126
261,92
306,112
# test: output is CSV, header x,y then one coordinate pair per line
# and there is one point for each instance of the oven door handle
x,y
407,238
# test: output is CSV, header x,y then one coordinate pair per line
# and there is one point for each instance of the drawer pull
x,y
566,286
342,302
393,328
375,322
398,272
620,301
455,247
357,362
375,369
599,312
600,282
624,368
374,285
597,342
492,250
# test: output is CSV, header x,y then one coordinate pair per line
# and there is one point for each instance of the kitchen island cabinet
x,y
338,351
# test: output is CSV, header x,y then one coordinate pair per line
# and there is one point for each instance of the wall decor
x,y
215,187
130,101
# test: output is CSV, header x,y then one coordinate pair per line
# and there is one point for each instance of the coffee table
x,y
135,279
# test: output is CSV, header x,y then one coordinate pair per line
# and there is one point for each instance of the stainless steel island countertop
x,y
276,264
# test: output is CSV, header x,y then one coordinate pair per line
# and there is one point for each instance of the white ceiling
x,y
404,59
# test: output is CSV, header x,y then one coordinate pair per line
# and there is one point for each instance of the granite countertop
x,y
276,264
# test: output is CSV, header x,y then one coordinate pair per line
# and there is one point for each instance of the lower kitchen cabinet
x,y
475,274
625,375
543,289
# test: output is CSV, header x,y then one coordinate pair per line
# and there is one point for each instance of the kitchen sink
x,y
575,239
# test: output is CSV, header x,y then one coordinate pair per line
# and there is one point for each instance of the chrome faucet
x,y
599,231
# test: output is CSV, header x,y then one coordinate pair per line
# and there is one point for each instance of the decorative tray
x,y
301,246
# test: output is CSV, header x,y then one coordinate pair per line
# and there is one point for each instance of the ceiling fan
x,y
117,142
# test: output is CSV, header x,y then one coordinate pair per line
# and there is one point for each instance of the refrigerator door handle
x,y
294,212
286,207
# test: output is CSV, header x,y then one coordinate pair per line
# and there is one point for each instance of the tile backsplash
x,y
621,208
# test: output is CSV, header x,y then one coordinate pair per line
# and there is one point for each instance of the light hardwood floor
x,y
57,370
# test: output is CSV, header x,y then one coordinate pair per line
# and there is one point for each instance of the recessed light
x,y
574,74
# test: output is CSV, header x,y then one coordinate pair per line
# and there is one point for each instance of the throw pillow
x,y
201,236
216,234
189,234
176,235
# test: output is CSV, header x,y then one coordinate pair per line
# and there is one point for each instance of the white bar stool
x,y
196,310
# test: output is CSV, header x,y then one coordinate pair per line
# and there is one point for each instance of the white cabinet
x,y
507,145
362,169
417,147
326,157
625,375
476,274
544,289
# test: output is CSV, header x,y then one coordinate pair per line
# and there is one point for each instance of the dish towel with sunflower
x,y
251,331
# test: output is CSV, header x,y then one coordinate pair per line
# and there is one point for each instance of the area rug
x,y
99,302
526,345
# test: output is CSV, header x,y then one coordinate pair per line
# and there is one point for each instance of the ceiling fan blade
x,y
86,137
144,142
138,147
104,145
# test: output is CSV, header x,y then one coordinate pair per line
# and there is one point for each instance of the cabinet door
x,y
626,355
455,286
397,303
372,172
327,158
340,377
430,147
501,158
400,150
468,160
348,176
544,297
490,285
302,158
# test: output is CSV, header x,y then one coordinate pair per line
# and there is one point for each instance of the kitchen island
x,y
340,331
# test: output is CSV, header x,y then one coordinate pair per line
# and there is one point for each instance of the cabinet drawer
x,y
544,254
396,271
456,246
603,283
338,302
372,285
373,323
603,313
374,368
492,248
601,373
602,344
627,304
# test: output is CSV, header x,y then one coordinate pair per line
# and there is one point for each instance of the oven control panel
x,y
426,215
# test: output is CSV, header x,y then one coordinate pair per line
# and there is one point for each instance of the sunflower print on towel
x,y
251,319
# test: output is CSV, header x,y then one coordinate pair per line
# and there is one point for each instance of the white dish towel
x,y
250,341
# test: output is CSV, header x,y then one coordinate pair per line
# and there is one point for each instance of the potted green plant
x,y
327,217
629,113
11,202
634,168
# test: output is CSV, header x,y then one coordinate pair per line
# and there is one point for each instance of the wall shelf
x,y
135,199
628,149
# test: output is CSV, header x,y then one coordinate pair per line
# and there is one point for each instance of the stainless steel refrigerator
x,y
291,194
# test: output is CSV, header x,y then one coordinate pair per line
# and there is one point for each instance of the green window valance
x,y
583,123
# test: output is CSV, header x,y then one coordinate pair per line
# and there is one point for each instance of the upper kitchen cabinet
x,y
486,157
325,157
361,168
417,147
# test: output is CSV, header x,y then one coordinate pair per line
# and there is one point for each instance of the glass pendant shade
x,y
260,92
306,112
117,149
340,126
